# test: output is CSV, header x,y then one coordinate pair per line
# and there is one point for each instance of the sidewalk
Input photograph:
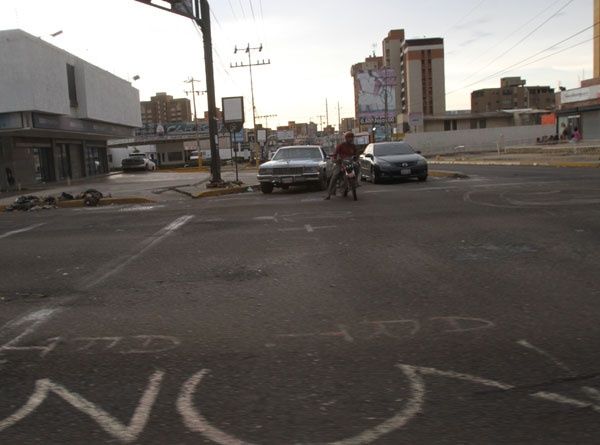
x,y
566,155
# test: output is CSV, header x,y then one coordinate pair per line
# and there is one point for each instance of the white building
x,y
57,112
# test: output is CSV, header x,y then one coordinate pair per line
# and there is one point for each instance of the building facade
x,y
164,109
512,94
403,86
57,113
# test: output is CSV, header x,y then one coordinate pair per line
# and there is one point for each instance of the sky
x,y
312,45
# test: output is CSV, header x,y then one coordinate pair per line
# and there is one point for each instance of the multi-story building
x,y
348,124
512,94
57,113
164,109
404,86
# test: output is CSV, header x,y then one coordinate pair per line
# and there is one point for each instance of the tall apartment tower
x,y
163,109
424,77
596,38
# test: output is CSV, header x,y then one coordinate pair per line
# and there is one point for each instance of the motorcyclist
x,y
345,150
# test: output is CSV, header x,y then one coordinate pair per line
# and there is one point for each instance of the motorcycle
x,y
348,179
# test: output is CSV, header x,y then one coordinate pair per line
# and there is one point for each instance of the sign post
x,y
233,120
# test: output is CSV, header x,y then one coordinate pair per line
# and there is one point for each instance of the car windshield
x,y
298,153
393,149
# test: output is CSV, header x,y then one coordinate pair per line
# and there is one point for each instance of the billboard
x,y
375,88
233,110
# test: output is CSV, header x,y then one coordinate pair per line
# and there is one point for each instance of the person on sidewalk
x,y
576,136
345,150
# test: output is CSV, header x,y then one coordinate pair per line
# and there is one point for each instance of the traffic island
x,y
228,190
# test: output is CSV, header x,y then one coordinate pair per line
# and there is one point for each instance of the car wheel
x,y
285,187
423,178
323,182
266,188
374,176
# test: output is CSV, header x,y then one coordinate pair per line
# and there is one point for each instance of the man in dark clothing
x,y
345,150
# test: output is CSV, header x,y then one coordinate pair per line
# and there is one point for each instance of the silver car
x,y
295,165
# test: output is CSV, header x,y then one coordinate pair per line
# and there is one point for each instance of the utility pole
x,y
195,92
327,111
339,119
200,14
266,118
321,116
248,50
204,22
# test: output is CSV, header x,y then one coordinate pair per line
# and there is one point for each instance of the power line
x,y
262,16
242,7
252,9
522,39
524,25
471,11
529,58
232,11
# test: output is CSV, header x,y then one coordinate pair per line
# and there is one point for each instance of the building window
x,y
72,87
175,156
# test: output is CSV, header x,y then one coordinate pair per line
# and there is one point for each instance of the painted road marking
x,y
124,433
144,247
308,228
23,230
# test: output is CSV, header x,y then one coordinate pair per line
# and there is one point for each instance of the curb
x,y
226,191
522,164
105,202
76,203
447,174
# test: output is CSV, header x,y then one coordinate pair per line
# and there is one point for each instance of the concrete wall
x,y
484,139
33,77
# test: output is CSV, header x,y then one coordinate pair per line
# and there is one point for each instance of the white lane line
x,y
25,229
554,360
592,393
145,246
308,228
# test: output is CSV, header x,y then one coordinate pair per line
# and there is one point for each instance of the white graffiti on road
x,y
134,344
398,329
125,433
195,421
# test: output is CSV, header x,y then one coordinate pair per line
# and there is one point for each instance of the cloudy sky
x,y
312,44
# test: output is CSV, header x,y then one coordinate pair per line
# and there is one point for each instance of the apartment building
x,y
164,109
512,94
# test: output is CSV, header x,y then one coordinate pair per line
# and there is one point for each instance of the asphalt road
x,y
446,312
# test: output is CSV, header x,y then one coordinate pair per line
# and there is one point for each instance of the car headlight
x,y
384,163
422,161
265,171
311,169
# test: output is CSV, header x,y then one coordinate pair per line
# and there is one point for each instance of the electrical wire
x,y
519,29
463,18
242,7
232,11
533,31
252,9
262,16
514,65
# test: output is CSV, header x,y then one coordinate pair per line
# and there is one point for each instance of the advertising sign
x,y
233,112
415,119
376,95
261,136
580,94
285,135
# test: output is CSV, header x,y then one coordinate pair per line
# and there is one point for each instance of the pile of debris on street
x,y
32,203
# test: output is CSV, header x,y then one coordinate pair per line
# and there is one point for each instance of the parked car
x,y
294,165
138,161
389,160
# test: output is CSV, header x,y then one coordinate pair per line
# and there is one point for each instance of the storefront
x,y
54,148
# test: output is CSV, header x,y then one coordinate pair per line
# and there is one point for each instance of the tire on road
x,y
266,188
423,178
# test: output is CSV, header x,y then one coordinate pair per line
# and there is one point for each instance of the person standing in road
x,y
345,150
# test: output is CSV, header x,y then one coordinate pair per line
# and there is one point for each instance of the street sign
x,y
233,113
181,7
261,136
